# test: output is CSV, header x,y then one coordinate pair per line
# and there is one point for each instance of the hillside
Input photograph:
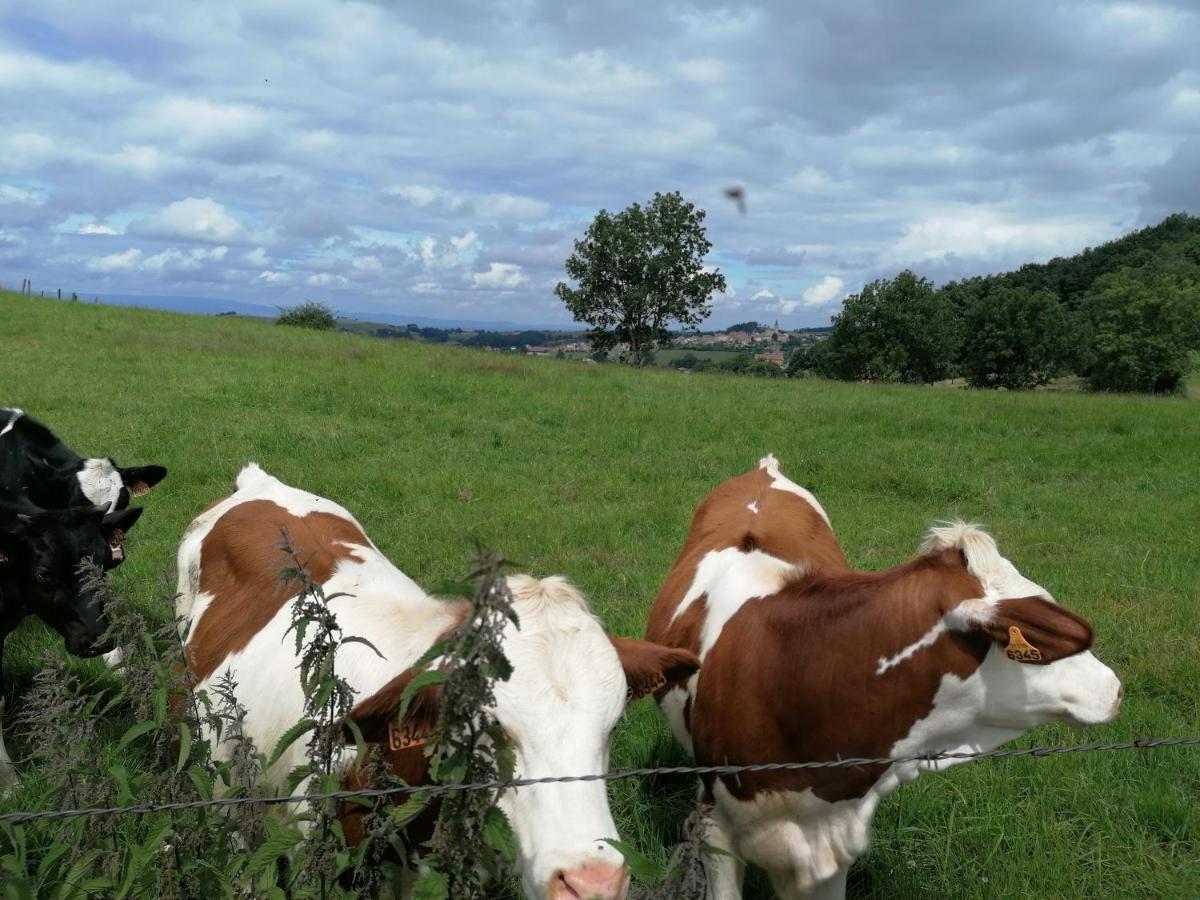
x,y
1175,237
593,471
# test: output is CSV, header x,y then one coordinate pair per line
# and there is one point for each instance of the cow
x,y
57,509
34,462
805,659
40,555
570,681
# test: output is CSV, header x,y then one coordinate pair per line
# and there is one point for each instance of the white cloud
x,y
499,276
764,294
326,279
93,228
828,290
173,259
368,265
12,194
194,218
501,206
980,234
269,277
256,257
117,262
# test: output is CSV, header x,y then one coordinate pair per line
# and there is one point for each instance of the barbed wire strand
x,y
434,790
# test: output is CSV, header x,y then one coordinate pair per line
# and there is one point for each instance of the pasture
x,y
593,472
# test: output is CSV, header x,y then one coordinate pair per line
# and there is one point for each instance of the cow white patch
x,y
781,482
807,844
729,578
753,507
100,482
928,639
14,415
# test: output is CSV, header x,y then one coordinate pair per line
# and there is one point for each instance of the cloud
x,y
828,290
326,279
93,228
269,277
499,276
117,262
12,194
194,218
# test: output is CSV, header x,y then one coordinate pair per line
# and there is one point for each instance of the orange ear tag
x,y
659,681
1019,649
401,737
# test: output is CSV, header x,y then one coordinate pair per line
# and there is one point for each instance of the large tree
x,y
1141,326
893,330
1016,338
638,271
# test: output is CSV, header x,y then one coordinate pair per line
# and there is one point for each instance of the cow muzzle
x,y
597,880
87,644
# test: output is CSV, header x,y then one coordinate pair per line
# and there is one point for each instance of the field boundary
x,y
434,790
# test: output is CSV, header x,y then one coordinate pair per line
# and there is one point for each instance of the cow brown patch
x,y
241,568
794,677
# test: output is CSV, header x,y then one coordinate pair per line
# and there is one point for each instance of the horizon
x,y
439,163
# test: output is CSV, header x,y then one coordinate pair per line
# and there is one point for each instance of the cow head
x,y
1036,664
40,556
569,686
99,480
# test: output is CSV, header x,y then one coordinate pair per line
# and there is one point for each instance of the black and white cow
x,y
57,510
34,462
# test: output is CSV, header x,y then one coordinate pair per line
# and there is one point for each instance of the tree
x,y
308,315
893,330
1140,328
1016,338
639,270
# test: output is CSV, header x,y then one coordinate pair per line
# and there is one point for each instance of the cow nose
x,y
591,881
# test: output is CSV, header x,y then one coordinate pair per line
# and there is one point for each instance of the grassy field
x,y
593,471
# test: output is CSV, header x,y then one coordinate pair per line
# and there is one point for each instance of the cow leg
x,y
723,870
8,775
833,888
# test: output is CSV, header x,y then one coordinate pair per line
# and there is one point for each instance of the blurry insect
x,y
738,195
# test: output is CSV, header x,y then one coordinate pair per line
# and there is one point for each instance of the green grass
x,y
593,472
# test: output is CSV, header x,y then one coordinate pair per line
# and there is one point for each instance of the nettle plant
x,y
77,757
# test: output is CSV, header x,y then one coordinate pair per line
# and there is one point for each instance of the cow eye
x,y
42,575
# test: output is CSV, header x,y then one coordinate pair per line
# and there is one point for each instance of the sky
x,y
440,159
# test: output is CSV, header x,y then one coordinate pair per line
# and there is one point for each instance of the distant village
x,y
768,344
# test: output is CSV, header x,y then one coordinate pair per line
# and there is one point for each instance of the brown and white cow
x,y
804,658
569,685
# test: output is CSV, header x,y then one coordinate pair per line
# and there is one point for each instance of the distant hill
x,y
1070,277
208,306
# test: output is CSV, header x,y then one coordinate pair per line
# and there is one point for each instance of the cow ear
x,y
139,479
120,521
653,667
377,715
1034,630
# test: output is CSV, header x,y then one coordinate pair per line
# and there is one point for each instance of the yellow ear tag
x,y
401,737
1020,649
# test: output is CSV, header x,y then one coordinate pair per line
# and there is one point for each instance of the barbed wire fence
x,y
434,790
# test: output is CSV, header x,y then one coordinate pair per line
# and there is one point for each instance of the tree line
x,y
1124,316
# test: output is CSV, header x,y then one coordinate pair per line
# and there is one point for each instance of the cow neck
x,y
825,698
